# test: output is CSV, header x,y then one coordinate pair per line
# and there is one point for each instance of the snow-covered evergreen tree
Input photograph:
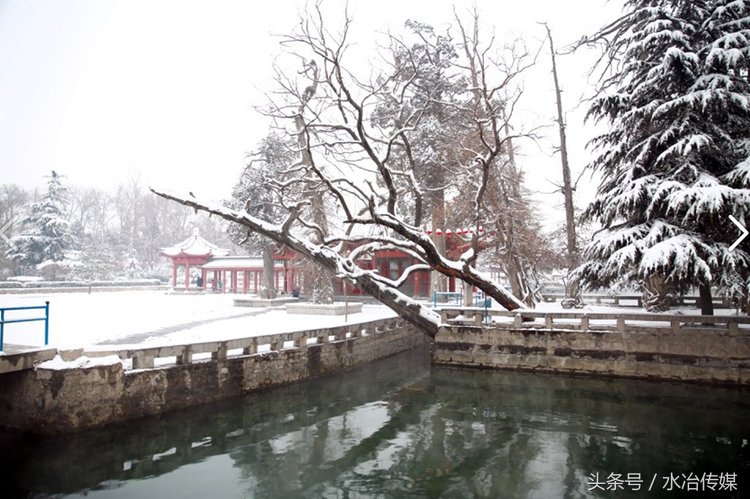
x,y
675,161
45,236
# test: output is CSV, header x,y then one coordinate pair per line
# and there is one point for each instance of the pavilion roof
x,y
194,245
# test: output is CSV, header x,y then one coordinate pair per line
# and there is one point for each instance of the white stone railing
x,y
585,321
616,299
158,356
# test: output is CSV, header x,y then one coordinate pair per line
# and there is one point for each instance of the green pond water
x,y
401,428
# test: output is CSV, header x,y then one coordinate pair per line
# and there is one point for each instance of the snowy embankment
x,y
150,318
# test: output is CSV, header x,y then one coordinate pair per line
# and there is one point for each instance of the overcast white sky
x,y
103,90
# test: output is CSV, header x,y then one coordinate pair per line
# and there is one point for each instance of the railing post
x,y
2,327
585,323
46,323
478,317
186,357
621,324
221,352
733,327
518,320
252,348
548,321
675,323
434,299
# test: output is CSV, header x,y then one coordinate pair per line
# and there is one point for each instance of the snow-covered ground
x,y
155,318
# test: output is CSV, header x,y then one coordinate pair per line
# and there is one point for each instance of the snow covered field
x,y
155,318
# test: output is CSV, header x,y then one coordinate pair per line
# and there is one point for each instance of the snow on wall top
x,y
194,245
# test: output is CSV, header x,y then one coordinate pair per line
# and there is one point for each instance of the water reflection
x,y
395,429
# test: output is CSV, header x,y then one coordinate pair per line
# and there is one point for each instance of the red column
x,y
245,281
234,281
255,278
174,274
203,278
187,275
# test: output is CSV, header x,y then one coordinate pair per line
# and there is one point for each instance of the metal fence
x,y
4,321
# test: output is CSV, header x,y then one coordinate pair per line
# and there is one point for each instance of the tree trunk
x,y
572,256
322,285
705,299
269,272
656,296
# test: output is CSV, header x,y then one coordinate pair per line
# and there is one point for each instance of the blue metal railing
x,y
456,298
480,300
450,297
3,322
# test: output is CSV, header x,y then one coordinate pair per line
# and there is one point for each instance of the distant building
x,y
221,272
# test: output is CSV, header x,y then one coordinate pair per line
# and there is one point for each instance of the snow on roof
x,y
237,262
194,245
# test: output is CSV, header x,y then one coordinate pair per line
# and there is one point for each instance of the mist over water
x,y
401,428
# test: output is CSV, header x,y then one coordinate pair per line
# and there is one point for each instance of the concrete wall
x,y
60,400
695,354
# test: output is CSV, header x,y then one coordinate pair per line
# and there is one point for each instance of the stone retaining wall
x,y
60,400
705,354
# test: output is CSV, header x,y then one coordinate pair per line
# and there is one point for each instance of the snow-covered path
x,y
155,318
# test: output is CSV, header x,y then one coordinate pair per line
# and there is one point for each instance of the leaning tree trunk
x,y
420,315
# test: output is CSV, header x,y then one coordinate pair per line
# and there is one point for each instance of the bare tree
x,y
364,163
567,186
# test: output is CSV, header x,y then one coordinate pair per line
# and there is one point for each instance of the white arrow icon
x,y
742,228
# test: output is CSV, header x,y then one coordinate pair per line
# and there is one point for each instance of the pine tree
x,y
675,162
46,235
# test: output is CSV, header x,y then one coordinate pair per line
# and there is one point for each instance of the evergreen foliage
x,y
45,236
675,162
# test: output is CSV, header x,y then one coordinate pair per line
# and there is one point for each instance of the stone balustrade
x,y
181,354
585,321
718,301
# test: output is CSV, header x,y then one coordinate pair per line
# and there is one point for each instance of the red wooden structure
x,y
193,251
